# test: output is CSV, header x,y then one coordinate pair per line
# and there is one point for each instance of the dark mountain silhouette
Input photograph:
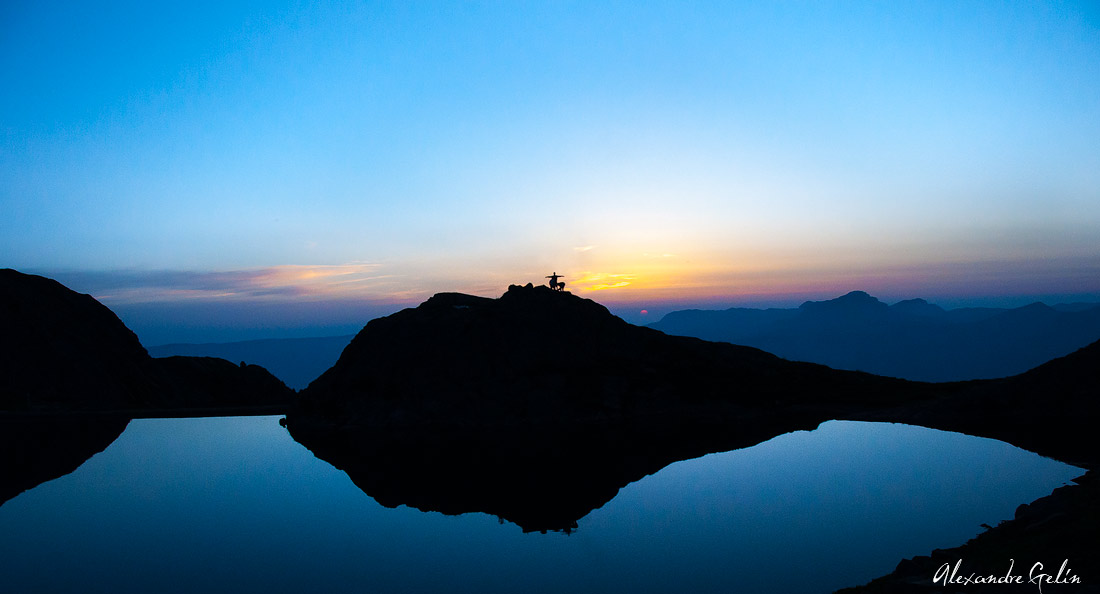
x,y
295,361
63,351
535,356
34,450
911,339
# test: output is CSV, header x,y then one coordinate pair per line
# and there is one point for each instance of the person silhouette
x,y
554,284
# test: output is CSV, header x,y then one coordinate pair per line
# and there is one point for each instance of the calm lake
x,y
235,505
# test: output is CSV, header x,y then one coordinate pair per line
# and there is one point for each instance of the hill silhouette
x,y
295,361
912,339
62,351
536,356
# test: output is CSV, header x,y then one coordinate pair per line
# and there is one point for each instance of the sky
x,y
298,167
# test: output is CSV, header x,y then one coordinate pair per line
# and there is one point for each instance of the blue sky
x,y
214,155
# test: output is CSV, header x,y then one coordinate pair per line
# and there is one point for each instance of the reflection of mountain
x,y
63,351
912,339
541,479
34,450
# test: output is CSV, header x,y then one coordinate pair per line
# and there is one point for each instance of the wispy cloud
x,y
599,281
363,280
584,248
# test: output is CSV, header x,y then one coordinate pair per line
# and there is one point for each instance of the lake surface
x,y
235,505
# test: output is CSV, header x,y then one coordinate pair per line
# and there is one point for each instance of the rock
x,y
64,350
61,351
537,356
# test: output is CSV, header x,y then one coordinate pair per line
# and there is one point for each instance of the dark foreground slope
x,y
61,352
1057,532
60,348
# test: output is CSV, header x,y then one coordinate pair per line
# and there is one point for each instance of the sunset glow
x,y
653,154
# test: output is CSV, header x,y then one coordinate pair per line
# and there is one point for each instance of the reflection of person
x,y
554,284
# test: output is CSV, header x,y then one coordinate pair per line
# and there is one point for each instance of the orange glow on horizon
x,y
642,280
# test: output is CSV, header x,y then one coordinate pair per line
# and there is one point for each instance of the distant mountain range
x,y
911,339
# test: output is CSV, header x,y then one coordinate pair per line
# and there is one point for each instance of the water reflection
x,y
542,479
234,504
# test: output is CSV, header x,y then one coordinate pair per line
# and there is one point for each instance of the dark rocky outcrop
x,y
62,352
535,356
60,349
216,385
